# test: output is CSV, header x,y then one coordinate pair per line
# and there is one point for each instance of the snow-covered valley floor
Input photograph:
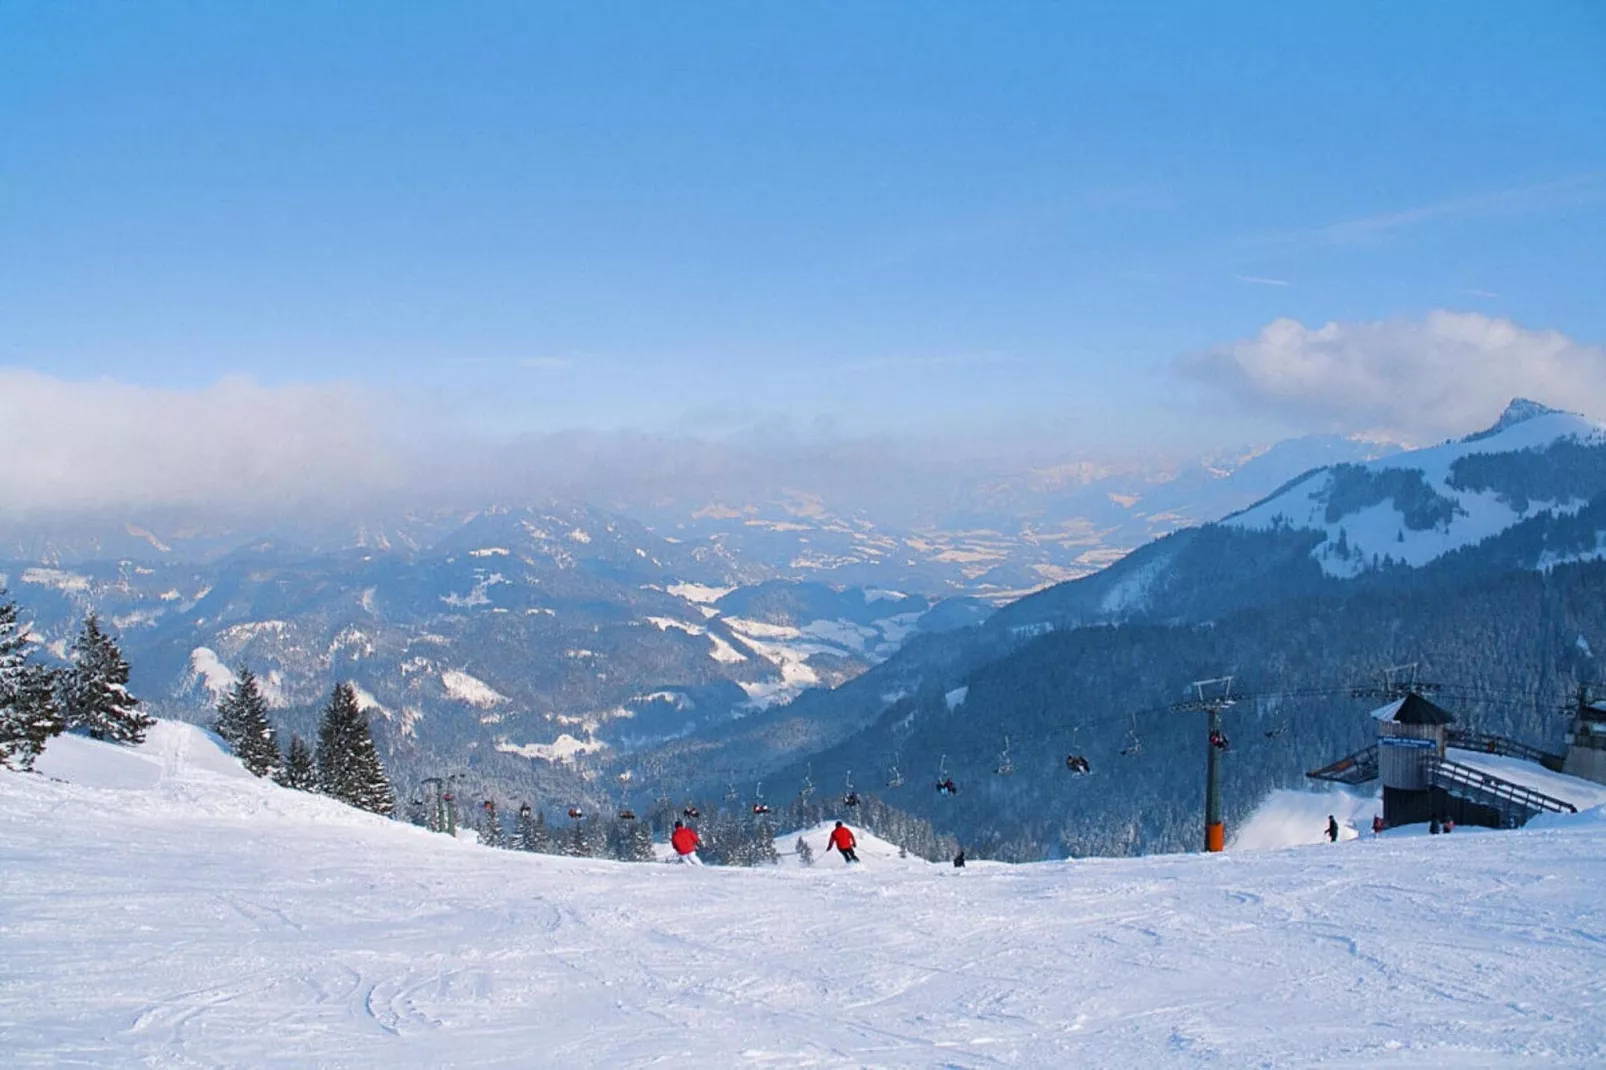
x,y
163,909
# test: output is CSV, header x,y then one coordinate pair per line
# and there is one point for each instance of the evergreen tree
x,y
805,853
529,832
300,771
348,764
764,852
242,721
579,843
491,832
94,691
30,711
640,844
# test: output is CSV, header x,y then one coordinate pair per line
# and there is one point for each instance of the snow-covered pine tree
x,y
805,853
491,832
30,716
764,852
640,843
30,710
94,691
525,830
300,769
348,764
242,721
539,839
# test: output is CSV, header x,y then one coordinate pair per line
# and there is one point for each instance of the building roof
x,y
1413,709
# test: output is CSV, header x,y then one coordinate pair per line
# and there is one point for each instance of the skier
x,y
1377,824
685,842
842,839
1332,829
1449,824
959,859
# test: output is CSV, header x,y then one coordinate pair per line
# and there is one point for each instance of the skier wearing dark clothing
x,y
1332,829
959,859
842,839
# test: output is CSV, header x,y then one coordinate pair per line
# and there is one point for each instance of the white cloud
x,y
1412,380
1261,280
232,446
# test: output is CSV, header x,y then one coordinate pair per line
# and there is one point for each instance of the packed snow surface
x,y
161,908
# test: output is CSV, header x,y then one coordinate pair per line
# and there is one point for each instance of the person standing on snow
x,y
1332,829
842,839
1377,824
685,841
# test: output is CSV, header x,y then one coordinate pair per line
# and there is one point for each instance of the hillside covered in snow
x,y
164,908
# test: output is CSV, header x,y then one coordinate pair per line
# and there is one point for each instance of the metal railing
x,y
1476,786
1356,768
1466,739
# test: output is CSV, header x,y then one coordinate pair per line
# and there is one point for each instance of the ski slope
x,y
161,908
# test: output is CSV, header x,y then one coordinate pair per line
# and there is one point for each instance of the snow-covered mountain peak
x,y
1413,507
1519,411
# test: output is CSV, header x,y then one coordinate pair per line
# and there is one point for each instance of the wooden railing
x,y
1356,768
1474,785
1466,739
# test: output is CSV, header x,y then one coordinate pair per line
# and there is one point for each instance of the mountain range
x,y
566,652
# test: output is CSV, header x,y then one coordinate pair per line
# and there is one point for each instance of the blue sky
x,y
1012,220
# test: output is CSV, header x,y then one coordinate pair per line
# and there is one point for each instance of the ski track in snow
x,y
198,917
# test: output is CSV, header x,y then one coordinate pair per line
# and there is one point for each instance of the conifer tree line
x,y
345,766
731,835
38,701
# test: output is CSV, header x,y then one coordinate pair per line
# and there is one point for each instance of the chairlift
x,y
627,815
1006,764
730,792
1218,739
1276,730
576,814
692,812
894,776
759,805
850,797
945,783
1077,764
806,792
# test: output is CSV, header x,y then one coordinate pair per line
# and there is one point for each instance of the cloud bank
x,y
1416,381
234,447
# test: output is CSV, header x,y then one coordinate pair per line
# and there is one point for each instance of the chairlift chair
x,y
576,814
1006,764
627,815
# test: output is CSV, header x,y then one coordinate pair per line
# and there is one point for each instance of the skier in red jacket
x,y
842,839
685,842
